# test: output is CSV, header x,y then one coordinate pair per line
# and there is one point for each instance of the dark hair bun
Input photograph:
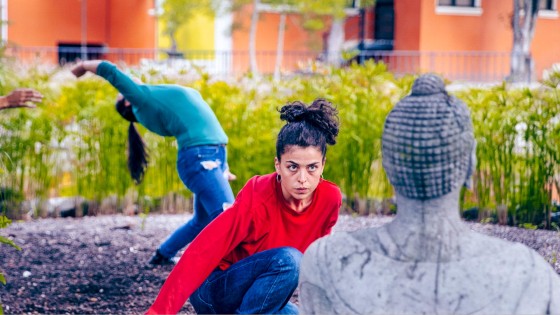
x,y
293,112
321,114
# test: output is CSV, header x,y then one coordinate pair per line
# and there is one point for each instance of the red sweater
x,y
258,220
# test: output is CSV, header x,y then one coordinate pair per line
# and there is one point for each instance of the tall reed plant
x,y
518,142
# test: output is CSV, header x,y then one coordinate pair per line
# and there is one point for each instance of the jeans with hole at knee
x,y
201,168
259,284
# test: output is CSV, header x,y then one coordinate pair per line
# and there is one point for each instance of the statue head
x,y
428,142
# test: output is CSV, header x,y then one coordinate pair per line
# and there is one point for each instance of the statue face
x,y
300,169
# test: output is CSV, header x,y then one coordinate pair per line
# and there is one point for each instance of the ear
x,y
277,165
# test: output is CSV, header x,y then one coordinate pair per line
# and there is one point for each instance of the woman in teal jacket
x,y
180,112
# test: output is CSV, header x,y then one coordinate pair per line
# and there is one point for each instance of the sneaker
x,y
160,260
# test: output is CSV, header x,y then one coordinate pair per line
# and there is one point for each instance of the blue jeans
x,y
201,168
259,284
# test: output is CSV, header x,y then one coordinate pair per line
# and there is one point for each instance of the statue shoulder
x,y
319,279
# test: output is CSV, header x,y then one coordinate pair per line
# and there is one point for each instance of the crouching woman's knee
x,y
287,260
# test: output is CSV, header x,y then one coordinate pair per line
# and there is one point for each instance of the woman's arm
x,y
204,254
130,88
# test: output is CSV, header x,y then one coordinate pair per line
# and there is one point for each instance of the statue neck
x,y
428,230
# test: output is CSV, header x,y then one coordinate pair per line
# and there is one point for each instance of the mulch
x,y
97,265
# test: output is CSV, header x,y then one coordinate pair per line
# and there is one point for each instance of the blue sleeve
x,y
132,91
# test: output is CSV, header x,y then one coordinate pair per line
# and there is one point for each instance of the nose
x,y
302,177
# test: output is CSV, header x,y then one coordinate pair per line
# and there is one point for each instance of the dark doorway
x,y
383,33
384,28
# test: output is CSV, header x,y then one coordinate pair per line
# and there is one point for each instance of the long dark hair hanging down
x,y
137,154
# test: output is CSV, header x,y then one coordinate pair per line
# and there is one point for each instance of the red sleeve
x,y
204,254
334,211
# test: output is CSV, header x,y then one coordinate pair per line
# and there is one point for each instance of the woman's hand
x,y
229,175
78,70
22,97
84,66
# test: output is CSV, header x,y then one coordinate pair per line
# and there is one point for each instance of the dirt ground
x,y
97,265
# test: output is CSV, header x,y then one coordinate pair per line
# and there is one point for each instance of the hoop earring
x,y
278,178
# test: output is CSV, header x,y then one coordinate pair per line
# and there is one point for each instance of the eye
x,y
292,167
312,168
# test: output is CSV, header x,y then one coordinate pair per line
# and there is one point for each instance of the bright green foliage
x,y
518,135
334,8
8,241
75,143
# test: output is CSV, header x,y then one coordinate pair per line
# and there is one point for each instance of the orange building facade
x,y
461,39
465,38
65,25
299,44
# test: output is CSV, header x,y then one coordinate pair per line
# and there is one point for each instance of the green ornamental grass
x,y
74,143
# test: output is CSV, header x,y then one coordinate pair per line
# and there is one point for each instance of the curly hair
x,y
315,125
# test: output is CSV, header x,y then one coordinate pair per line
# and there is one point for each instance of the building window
x,y
70,52
458,7
457,3
547,5
548,9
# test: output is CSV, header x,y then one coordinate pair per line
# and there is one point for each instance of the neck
x,y
298,205
428,230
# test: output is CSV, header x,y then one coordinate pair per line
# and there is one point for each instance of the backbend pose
x,y
180,112
247,260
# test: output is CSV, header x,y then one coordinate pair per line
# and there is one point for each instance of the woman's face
x,y
300,170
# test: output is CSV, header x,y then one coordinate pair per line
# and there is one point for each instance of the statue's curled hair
x,y
315,125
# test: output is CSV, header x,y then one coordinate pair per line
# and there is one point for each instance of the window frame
x,y
549,13
475,10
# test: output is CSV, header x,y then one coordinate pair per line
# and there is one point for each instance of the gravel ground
x,y
96,265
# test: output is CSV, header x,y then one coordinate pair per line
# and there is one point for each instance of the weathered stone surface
x,y
372,271
427,260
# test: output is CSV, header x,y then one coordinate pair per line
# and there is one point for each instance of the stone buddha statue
x,y
427,260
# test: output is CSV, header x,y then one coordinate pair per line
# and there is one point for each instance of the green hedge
x,y
74,143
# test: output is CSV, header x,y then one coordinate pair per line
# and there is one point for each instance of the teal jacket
x,y
167,109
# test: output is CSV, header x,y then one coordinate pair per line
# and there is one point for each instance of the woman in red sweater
x,y
247,259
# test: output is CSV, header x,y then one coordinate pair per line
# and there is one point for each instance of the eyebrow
x,y
310,164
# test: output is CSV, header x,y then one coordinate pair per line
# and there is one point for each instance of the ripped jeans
x,y
201,168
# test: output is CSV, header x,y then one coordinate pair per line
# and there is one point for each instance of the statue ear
x,y
470,169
